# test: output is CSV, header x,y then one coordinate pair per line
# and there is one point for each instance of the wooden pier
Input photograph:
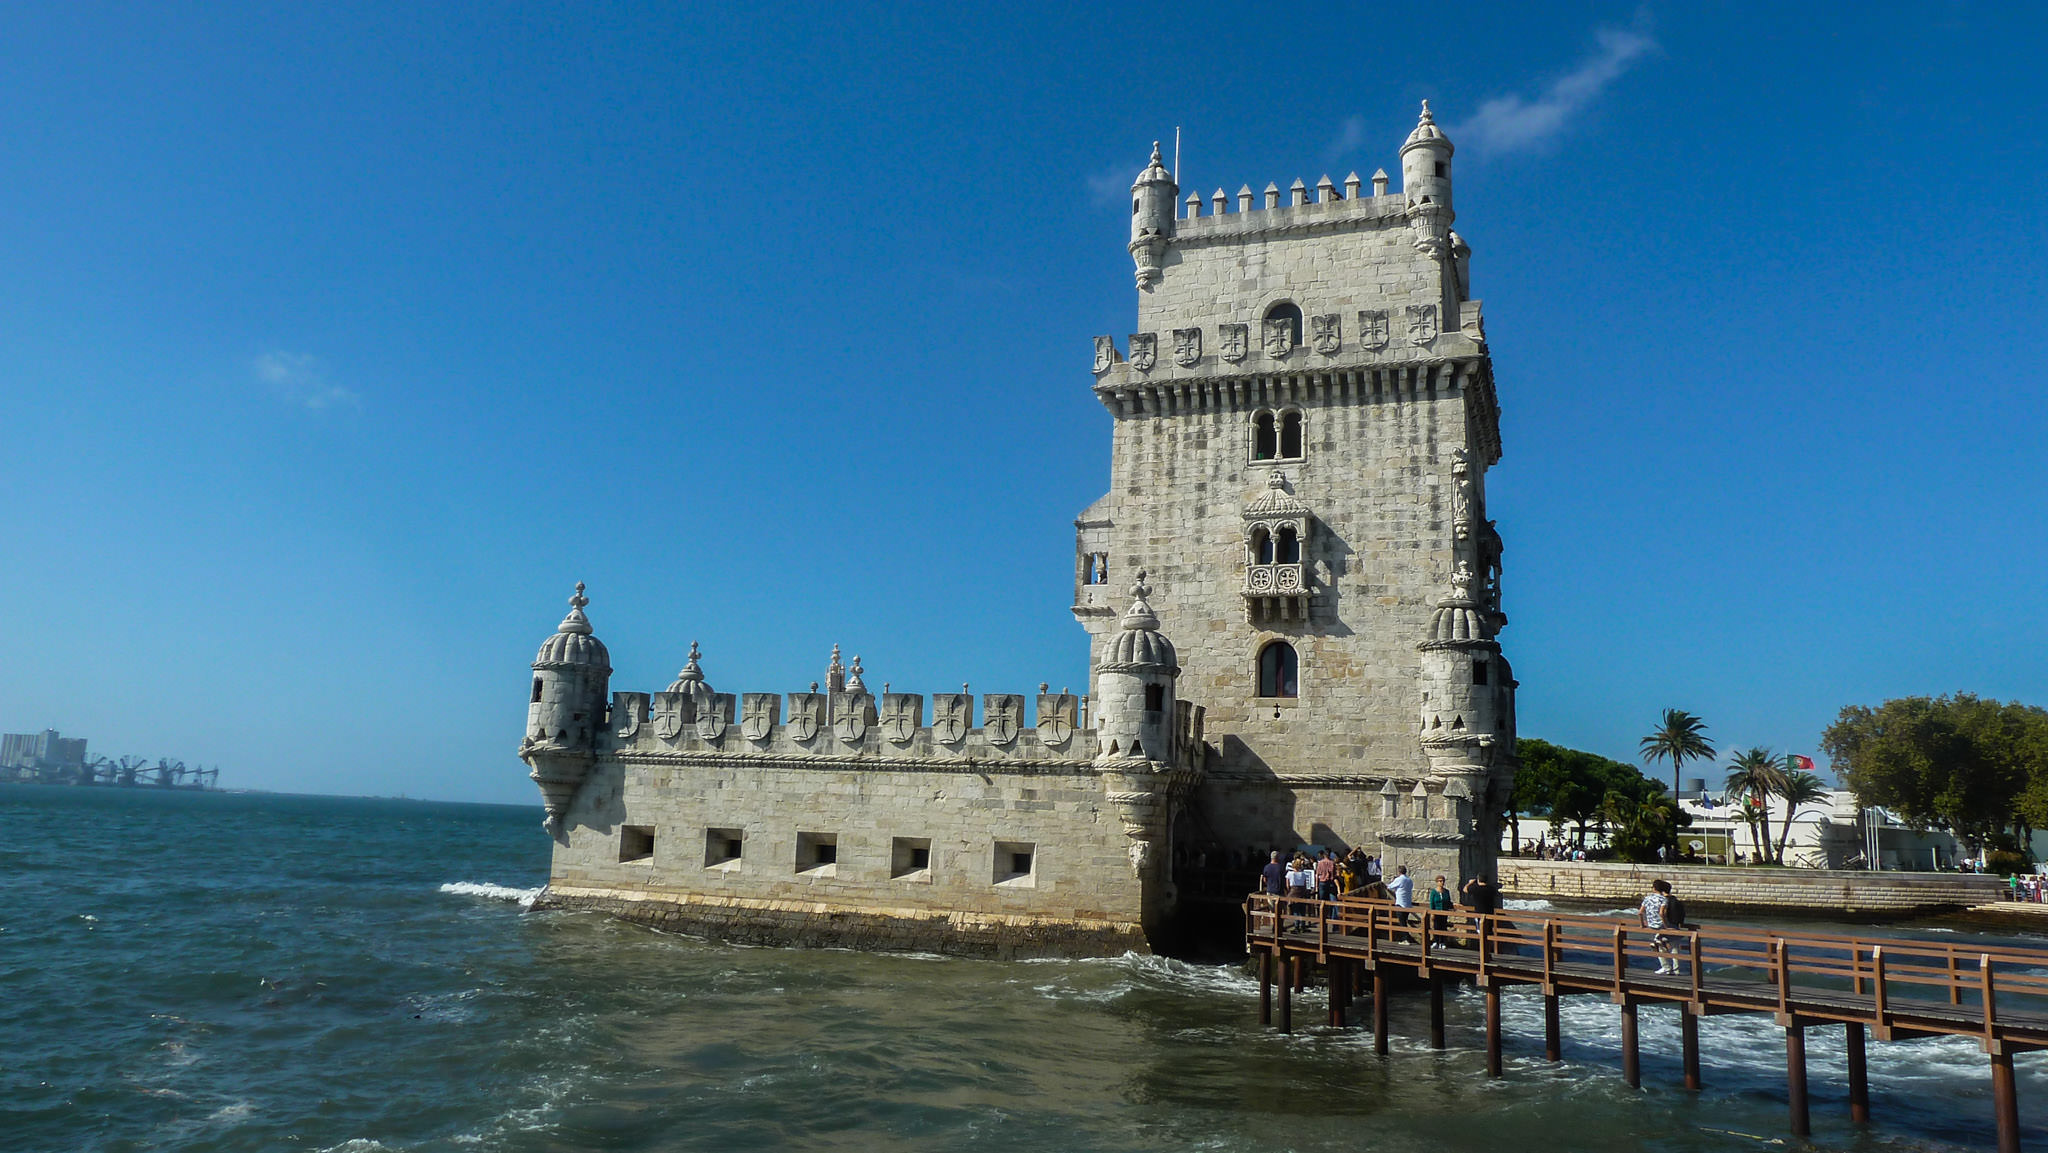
x,y
1887,988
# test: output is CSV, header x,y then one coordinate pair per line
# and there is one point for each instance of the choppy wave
x,y
525,897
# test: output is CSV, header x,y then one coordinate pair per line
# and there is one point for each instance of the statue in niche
x,y
1144,350
1461,495
1422,323
1187,346
1373,329
1232,341
1102,568
1323,334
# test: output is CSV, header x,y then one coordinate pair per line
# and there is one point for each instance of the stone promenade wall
x,y
1826,892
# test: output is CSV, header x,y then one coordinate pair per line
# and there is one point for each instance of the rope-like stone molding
x,y
1070,765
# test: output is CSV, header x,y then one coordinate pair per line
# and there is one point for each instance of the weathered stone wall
x,y
1823,892
971,816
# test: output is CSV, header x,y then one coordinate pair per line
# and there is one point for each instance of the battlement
x,y
1297,207
1401,335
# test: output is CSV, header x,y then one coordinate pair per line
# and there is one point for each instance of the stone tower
x,y
571,676
1303,421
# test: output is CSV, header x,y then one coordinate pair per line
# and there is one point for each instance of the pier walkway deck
x,y
1892,988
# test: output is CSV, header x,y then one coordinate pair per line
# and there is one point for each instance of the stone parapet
x,y
1822,892
865,926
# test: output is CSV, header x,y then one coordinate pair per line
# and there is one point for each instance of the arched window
x,y
1289,313
1288,551
1279,671
1290,435
1265,442
1262,546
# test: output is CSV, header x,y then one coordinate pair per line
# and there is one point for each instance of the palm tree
x,y
1754,776
1681,738
1799,788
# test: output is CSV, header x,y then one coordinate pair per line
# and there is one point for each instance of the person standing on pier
x,y
1326,876
1439,903
1652,914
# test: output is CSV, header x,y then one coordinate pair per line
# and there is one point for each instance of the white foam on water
x,y
233,1112
359,1145
525,897
1525,905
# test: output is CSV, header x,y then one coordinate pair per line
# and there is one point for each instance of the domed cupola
x,y
1141,646
1134,686
1459,618
691,679
571,676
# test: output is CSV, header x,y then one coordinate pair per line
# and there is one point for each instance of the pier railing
x,y
1894,987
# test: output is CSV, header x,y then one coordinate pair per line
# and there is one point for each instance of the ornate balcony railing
x,y
1274,580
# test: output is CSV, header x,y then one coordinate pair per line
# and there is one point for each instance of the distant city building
x,y
41,751
1303,425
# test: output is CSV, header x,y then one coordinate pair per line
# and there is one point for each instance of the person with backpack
x,y
1658,912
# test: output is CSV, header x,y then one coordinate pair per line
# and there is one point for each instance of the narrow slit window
x,y
1265,442
1290,435
1288,550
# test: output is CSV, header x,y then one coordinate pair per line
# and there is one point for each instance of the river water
x,y
238,972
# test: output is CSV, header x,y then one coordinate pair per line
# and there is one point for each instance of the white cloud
x,y
302,380
1350,137
1513,123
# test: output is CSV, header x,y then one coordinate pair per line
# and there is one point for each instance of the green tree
x,y
1681,737
1799,789
1571,785
1640,825
1976,767
1753,776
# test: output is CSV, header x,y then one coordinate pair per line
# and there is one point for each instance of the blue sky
x,y
336,345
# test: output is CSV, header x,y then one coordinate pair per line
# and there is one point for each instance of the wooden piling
x,y
1795,1079
1286,995
1553,1044
1265,988
1436,1011
1335,973
1689,1044
1631,1064
2005,1101
1379,1011
1859,1078
1493,1030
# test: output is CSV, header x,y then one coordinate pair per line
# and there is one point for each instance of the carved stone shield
x,y
1422,323
1373,329
1187,346
1004,715
1105,353
713,713
668,715
1144,350
951,716
1056,718
628,710
1231,341
1279,338
850,715
806,714
901,713
1323,335
758,714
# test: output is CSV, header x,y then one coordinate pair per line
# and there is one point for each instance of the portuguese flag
x,y
1805,764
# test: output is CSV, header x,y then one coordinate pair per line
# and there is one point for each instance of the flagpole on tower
x,y
1176,156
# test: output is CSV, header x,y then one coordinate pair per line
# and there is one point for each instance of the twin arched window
x,y
1279,670
1276,436
1283,547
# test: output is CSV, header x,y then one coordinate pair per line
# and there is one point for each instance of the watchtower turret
x,y
1152,208
571,676
1134,686
1426,165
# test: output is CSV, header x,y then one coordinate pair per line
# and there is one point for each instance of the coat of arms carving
x,y
1187,346
628,711
806,715
1231,341
1004,717
714,712
952,715
850,715
1422,323
1144,350
901,714
1279,337
1055,718
668,715
758,714
1323,335
1373,330
1105,353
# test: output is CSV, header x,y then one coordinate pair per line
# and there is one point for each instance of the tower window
x,y
1279,671
1479,672
1288,550
536,690
1265,441
1442,169
1289,313
636,842
1262,546
1155,698
1290,435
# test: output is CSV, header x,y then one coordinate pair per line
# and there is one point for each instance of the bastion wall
x,y
1826,892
